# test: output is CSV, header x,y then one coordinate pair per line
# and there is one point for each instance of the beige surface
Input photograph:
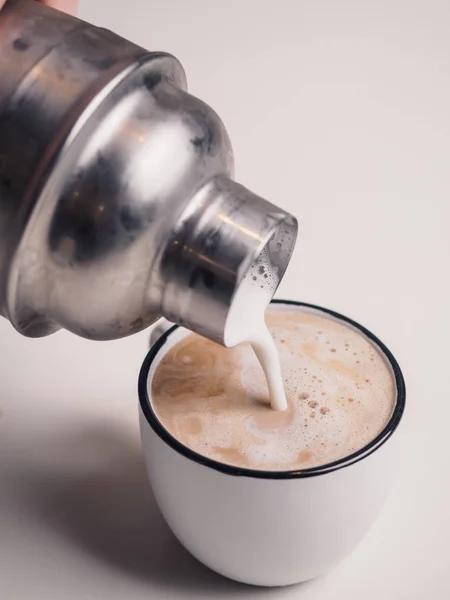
x,y
338,111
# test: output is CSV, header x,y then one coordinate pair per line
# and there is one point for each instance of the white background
x,y
340,113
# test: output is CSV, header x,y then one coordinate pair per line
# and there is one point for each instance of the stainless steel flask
x,y
117,199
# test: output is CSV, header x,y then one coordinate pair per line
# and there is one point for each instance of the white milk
x,y
246,323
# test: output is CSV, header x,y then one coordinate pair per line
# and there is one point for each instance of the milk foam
x,y
340,394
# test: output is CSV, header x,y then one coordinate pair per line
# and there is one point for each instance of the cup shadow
x,y
107,508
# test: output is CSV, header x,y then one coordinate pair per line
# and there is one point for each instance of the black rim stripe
x,y
297,474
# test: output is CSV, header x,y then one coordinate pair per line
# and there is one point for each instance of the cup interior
x,y
177,333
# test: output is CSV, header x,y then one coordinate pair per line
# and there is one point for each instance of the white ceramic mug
x,y
259,527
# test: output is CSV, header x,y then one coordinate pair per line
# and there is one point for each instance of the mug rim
x,y
367,450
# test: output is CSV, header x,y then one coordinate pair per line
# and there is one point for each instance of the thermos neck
x,y
210,253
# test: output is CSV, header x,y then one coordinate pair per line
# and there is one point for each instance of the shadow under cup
x,y
268,528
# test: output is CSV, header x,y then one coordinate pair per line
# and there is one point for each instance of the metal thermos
x,y
117,202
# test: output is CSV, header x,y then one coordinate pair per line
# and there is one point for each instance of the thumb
x,y
68,6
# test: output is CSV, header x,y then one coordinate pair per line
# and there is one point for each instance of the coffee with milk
x,y
338,389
